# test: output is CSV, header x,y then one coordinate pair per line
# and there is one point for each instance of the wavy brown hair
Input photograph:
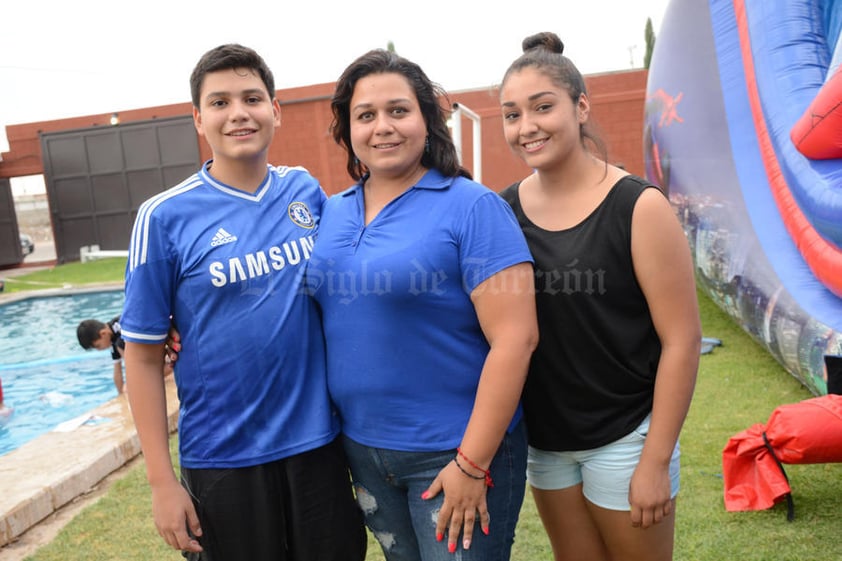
x,y
441,152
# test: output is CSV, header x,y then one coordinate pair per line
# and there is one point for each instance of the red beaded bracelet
x,y
487,473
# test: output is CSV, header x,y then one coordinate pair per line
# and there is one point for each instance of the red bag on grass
x,y
808,432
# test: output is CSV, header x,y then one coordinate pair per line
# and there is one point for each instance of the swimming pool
x,y
47,377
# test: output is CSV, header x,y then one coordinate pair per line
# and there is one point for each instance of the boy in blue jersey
x,y
222,253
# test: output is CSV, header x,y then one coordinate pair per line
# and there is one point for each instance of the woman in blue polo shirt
x,y
426,290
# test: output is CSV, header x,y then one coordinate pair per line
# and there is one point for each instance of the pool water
x,y
48,379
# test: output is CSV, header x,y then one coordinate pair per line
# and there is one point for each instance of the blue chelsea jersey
x,y
227,266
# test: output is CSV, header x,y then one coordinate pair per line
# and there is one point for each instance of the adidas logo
x,y
222,237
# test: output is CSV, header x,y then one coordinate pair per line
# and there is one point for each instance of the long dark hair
x,y
440,152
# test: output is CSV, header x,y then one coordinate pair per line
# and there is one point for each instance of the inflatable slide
x,y
743,129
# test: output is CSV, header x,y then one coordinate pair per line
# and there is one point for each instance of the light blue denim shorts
x,y
605,472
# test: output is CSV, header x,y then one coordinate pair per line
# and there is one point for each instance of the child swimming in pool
x,y
94,334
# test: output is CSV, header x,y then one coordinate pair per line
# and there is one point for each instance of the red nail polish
x,y
439,536
451,547
425,495
485,531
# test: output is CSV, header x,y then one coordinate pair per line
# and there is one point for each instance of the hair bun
x,y
546,40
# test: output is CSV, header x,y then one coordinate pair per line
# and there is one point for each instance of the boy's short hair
x,y
88,331
226,57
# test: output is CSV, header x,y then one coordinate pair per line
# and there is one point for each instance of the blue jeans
x,y
389,484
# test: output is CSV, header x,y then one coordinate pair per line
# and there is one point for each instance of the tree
x,y
390,47
649,34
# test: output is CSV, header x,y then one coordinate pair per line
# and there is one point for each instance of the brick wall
x,y
617,108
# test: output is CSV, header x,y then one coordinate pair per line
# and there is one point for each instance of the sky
x,y
69,59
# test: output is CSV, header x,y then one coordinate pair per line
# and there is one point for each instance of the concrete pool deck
x,y
51,471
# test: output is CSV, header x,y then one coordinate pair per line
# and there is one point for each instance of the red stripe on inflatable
x,y
824,259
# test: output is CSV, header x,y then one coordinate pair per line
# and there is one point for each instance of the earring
x,y
427,145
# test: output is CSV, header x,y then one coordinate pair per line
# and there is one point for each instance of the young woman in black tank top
x,y
619,324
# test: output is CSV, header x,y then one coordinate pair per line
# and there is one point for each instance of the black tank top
x,y
591,379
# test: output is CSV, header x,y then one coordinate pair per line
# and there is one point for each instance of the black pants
x,y
300,508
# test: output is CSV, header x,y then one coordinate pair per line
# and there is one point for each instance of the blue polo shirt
x,y
404,347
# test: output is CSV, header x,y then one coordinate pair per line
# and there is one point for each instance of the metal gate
x,y
10,253
97,178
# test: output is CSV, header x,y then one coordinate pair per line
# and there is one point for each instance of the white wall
x,y
28,185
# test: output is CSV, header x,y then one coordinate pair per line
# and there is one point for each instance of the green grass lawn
x,y
739,384
72,274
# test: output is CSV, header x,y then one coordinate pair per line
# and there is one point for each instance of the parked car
x,y
27,246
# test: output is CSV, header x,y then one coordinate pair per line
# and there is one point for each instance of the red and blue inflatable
x,y
743,129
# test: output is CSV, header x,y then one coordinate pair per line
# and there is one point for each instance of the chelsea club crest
x,y
300,214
